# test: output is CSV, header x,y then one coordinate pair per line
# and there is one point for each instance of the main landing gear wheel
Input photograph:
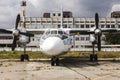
x,y
54,61
24,57
93,57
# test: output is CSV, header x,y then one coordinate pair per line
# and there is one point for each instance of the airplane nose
x,y
53,46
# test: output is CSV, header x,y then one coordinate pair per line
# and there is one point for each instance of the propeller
x,y
98,31
14,43
16,32
17,21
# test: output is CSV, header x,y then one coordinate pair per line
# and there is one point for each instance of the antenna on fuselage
x,y
61,26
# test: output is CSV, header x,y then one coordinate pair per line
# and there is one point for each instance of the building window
x,y
38,39
87,38
87,26
87,21
102,26
112,26
33,39
76,21
77,46
81,21
102,21
118,26
82,26
82,38
48,21
59,25
69,21
77,26
77,38
59,14
53,14
107,26
64,26
92,21
64,21
112,22
92,26
107,21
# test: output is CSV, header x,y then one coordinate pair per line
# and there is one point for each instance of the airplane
x,y
56,42
20,36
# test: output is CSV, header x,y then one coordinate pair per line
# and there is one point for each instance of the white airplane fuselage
x,y
55,42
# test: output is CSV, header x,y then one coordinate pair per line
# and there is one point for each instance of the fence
x,y
79,49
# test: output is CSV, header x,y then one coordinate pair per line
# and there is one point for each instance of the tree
x,y
112,38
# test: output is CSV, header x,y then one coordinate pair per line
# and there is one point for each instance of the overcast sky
x,y
35,8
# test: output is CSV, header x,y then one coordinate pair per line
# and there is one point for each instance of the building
x,y
5,40
53,20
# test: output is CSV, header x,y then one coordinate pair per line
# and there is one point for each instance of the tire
x,y
57,62
22,58
96,57
26,57
52,62
91,57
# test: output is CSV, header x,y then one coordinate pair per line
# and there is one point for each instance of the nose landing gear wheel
x,y
54,61
93,57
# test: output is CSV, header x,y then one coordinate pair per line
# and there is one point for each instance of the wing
x,y
82,32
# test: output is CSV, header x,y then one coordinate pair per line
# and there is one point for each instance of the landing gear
x,y
54,61
93,57
24,56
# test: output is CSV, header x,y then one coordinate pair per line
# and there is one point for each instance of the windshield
x,y
54,32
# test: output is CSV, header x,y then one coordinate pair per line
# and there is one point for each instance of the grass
x,y
17,54
37,55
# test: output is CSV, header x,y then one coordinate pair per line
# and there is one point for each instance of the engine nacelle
x,y
15,32
97,31
92,39
23,39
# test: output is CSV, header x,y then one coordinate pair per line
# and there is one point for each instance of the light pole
x,y
23,5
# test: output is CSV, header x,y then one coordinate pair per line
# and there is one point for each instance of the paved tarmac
x,y
69,69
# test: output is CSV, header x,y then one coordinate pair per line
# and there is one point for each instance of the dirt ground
x,y
69,69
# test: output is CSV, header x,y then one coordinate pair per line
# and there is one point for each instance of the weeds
x,y
72,54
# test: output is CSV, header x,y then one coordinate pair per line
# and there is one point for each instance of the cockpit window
x,y
54,32
48,32
60,32
65,33
57,33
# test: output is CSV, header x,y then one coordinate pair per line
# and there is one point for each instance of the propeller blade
x,y
17,21
97,20
5,31
14,43
99,42
26,34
